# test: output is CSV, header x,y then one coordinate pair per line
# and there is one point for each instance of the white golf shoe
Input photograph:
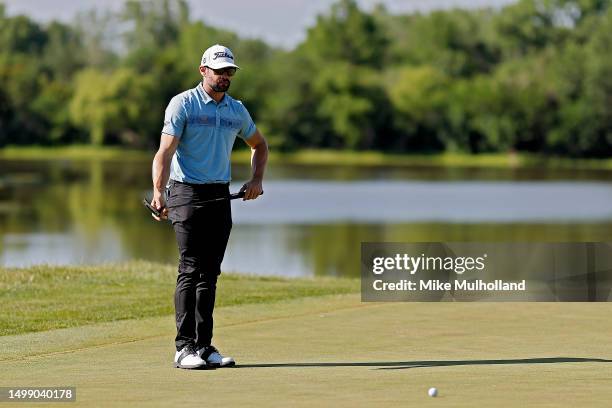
x,y
188,358
213,358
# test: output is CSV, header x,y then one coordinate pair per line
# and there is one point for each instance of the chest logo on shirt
x,y
224,122
202,120
229,123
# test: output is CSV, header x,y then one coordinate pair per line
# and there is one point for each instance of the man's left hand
x,y
252,189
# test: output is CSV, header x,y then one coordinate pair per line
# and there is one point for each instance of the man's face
x,y
219,79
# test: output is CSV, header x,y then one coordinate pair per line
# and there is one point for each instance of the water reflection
x,y
384,201
68,212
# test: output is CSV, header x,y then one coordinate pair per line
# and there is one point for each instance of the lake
x,y
311,220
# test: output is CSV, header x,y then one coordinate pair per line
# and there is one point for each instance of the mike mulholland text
x,y
434,285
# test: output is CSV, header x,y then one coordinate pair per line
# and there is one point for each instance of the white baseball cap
x,y
217,57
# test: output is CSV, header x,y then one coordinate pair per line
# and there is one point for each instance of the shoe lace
x,y
208,350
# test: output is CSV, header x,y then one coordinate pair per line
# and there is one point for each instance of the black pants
x,y
202,232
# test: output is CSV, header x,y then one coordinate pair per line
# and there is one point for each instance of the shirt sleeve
x,y
248,126
175,117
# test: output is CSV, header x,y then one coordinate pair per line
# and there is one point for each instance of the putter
x,y
153,210
232,196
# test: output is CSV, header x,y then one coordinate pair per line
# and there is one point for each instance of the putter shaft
x,y
157,212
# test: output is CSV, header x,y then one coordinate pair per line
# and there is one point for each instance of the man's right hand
x,y
159,203
161,171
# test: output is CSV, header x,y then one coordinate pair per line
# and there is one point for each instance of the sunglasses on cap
x,y
230,71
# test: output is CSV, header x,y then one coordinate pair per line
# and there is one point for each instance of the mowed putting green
x,y
334,350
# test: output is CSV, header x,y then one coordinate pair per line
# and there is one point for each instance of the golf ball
x,y
433,392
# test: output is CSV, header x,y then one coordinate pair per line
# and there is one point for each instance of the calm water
x,y
311,221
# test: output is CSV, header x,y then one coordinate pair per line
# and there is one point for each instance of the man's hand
x,y
161,173
159,203
259,157
252,189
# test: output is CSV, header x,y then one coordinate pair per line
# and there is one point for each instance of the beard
x,y
221,86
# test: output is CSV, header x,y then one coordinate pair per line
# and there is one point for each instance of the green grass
x,y
297,343
490,160
319,157
336,351
73,152
44,297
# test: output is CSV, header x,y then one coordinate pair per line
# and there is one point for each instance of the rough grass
x,y
51,297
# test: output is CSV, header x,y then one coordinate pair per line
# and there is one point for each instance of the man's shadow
x,y
400,365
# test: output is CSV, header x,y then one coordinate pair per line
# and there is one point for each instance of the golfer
x,y
193,165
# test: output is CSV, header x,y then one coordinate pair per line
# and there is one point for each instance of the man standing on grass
x,y
193,164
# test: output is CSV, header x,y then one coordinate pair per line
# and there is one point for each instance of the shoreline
x,y
314,157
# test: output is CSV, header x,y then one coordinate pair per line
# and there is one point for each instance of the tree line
x,y
533,76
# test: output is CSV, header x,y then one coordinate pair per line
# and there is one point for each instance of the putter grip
x,y
153,210
239,195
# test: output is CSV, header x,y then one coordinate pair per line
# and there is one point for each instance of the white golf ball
x,y
433,392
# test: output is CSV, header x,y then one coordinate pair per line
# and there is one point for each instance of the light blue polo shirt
x,y
207,131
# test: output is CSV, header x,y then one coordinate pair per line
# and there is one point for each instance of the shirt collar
x,y
207,98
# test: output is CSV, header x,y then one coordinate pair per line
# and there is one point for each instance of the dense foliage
x,y
534,76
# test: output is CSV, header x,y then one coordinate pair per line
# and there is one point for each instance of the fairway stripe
x,y
33,355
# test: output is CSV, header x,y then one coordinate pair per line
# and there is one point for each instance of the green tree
x,y
99,34
585,121
111,104
531,25
52,104
21,35
460,43
155,25
6,122
354,102
63,54
346,34
336,98
290,113
21,40
419,98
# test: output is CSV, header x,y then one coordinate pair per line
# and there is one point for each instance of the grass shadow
x,y
400,365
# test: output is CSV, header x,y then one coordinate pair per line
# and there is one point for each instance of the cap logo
x,y
223,54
